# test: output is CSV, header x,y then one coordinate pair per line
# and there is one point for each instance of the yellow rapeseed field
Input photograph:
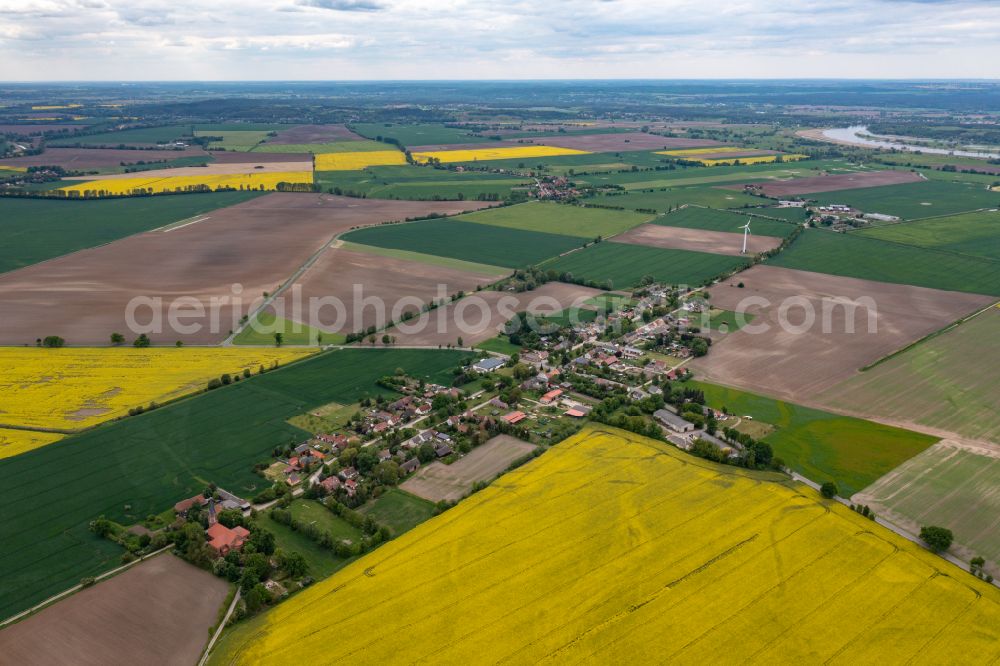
x,y
680,152
53,107
612,548
14,442
759,159
155,185
355,161
72,388
500,153
13,168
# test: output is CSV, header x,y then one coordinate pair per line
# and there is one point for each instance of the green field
x,y
796,215
976,234
238,140
683,176
500,344
477,243
418,134
335,147
665,199
728,319
693,217
322,562
38,229
129,469
915,200
293,333
418,182
554,218
433,260
948,382
948,486
625,265
144,135
866,258
176,163
400,510
822,446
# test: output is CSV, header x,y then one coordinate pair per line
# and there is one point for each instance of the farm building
x,y
488,364
223,540
672,421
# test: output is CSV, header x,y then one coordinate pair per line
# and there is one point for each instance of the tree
x,y
386,339
117,339
141,341
53,341
294,564
829,490
937,538
279,338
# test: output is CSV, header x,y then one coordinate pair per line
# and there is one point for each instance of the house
x,y
673,421
551,396
637,394
514,417
498,403
490,364
331,484
384,455
351,486
424,409
442,436
442,450
182,507
230,501
224,540
409,466
301,448
575,413
631,352
348,473
293,479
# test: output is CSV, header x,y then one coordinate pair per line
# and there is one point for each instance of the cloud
x,y
343,5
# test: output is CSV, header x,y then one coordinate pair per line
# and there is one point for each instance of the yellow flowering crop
x,y
153,185
72,388
53,107
13,168
613,548
355,161
500,153
697,151
14,442
759,159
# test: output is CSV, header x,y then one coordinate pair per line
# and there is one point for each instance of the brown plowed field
x,y
95,158
384,280
485,313
626,141
437,147
438,481
211,169
698,240
834,183
157,612
240,157
798,365
258,244
303,134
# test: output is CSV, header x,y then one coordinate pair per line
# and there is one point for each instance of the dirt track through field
x,y
697,240
833,183
258,244
157,612
797,364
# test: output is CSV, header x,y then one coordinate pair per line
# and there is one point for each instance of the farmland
x,y
38,229
261,329
791,353
238,140
437,481
304,134
156,184
697,240
730,562
836,182
15,442
694,217
666,199
503,153
911,201
624,265
100,158
952,484
874,259
156,612
945,382
398,509
320,148
975,234
413,182
480,243
141,465
823,446
354,161
558,219
132,137
418,134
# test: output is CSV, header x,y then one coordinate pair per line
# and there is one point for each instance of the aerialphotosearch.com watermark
x,y
477,313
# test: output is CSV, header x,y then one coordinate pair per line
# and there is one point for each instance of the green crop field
x,y
665,199
38,229
625,265
949,486
500,344
976,234
144,135
293,333
238,140
431,259
400,510
556,218
176,163
335,147
797,215
418,134
478,243
915,200
946,382
693,217
720,175
420,183
142,465
822,446
866,258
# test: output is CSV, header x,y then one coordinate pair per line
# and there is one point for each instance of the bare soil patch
x,y
384,284
258,244
484,145
481,316
211,169
438,481
698,240
157,612
798,364
240,157
833,183
95,158
304,134
625,141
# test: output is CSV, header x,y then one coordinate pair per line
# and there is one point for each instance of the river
x,y
852,135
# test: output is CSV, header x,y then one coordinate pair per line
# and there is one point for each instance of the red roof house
x,y
223,540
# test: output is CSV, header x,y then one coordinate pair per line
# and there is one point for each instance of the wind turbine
x,y
746,233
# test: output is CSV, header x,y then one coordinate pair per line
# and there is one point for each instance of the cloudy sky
x,y
505,39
